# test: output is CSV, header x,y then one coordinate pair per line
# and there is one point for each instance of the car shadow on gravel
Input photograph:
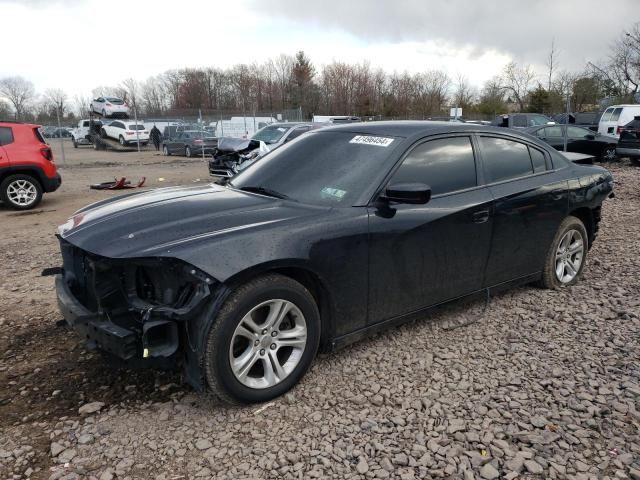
x,y
49,373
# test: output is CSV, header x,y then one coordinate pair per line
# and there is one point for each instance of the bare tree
x,y
81,105
131,88
19,93
518,81
57,99
552,60
464,93
5,110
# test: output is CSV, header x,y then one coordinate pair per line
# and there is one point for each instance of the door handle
x,y
480,216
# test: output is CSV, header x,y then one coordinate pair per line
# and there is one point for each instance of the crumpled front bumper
x,y
99,332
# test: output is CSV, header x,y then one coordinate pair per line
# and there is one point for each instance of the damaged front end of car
x,y
143,311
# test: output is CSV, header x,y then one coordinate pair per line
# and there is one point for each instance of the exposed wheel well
x,y
590,218
312,283
19,171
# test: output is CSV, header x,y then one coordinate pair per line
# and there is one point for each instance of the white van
x,y
616,117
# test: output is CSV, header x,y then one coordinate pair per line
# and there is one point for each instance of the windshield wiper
x,y
264,191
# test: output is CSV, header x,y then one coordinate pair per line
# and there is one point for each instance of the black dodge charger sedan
x,y
335,235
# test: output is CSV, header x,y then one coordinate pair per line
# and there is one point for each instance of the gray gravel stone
x,y
489,472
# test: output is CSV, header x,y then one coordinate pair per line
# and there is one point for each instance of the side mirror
x,y
411,193
590,136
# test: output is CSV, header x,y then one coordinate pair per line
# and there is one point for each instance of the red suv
x,y
27,168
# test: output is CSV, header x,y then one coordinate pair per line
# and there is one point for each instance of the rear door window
x,y
446,165
519,121
576,132
504,159
551,132
6,135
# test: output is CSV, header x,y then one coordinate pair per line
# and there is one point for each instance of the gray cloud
x,y
583,29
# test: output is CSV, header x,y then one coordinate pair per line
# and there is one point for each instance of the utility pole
x,y
64,160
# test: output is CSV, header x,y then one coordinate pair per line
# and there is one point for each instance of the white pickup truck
x,y
80,134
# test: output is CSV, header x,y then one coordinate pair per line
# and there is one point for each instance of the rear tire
x,y
187,152
270,369
567,255
121,140
165,151
20,192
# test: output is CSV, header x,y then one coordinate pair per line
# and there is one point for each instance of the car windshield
x,y
115,101
270,134
322,168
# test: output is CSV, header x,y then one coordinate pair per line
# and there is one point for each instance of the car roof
x,y
406,128
289,124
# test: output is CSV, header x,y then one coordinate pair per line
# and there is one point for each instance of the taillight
x,y
129,133
619,130
47,153
198,142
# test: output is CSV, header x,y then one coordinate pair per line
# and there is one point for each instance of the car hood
x,y
164,221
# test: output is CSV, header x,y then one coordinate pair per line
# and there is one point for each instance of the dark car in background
x,y
629,143
332,237
579,140
521,120
190,143
234,154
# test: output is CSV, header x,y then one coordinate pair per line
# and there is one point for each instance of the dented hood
x,y
170,221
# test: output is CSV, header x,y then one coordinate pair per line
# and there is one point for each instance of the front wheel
x,y
165,151
567,255
20,192
608,154
262,340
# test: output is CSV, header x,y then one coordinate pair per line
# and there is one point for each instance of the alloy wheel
x,y
22,192
268,343
609,154
569,256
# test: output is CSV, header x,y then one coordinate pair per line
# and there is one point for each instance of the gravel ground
x,y
532,384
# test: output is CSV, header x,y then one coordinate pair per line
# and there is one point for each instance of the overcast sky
x,y
78,45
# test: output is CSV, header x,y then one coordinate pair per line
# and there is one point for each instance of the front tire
x,y
608,154
165,151
567,255
20,192
262,340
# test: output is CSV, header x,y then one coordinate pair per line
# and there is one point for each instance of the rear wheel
x,y
165,151
20,192
121,140
187,152
262,340
608,154
104,113
567,255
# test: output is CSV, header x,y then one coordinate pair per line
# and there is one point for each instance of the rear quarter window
x,y
616,114
6,135
606,115
38,135
505,159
